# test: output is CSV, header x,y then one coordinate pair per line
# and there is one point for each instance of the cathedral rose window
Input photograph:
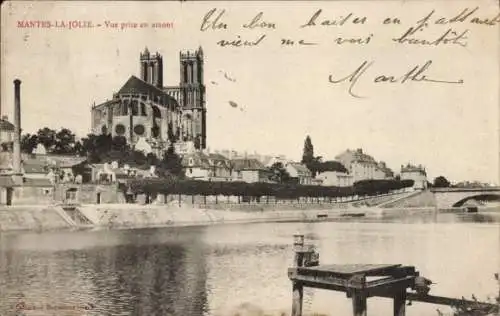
x,y
120,129
139,129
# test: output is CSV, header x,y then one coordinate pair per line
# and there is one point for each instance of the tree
x,y
28,143
47,137
441,182
78,149
308,153
119,143
64,142
171,164
279,173
96,146
329,165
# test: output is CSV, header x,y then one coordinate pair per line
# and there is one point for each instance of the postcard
x,y
249,157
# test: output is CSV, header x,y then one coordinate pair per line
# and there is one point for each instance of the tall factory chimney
x,y
16,159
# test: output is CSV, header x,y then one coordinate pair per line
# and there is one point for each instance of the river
x,y
214,270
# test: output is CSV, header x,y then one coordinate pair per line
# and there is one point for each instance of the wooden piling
x,y
358,303
298,296
399,302
298,287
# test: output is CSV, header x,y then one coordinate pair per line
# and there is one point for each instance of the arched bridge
x,y
456,197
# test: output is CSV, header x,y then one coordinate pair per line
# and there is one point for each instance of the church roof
x,y
135,85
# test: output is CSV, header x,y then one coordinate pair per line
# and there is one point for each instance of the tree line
x,y
101,148
258,189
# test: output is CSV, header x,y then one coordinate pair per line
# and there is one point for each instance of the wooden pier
x,y
362,281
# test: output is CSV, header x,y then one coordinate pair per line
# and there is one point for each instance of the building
x,y
415,173
299,173
6,131
144,109
363,166
207,167
250,170
385,171
271,160
335,178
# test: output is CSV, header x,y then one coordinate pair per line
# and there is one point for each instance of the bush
x,y
374,187
194,187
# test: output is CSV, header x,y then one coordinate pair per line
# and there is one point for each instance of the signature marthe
x,y
415,74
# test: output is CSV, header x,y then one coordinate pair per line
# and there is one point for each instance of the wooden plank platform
x,y
362,281
349,270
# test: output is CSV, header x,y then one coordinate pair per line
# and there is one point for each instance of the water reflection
x,y
142,276
213,270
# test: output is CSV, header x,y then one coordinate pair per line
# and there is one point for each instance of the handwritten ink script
x,y
433,29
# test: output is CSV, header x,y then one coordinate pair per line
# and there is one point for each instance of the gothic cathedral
x,y
147,113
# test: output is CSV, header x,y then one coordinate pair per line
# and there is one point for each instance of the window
x,y
120,129
71,194
124,107
139,129
135,108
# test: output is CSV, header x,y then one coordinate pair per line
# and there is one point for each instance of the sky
x,y
283,92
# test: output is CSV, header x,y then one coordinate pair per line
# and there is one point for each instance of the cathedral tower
x,y
193,94
152,68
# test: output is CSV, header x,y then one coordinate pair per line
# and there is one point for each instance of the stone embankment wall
x,y
136,216
39,218
32,217
423,199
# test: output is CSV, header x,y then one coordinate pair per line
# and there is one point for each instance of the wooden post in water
x,y
400,303
358,295
297,287
358,303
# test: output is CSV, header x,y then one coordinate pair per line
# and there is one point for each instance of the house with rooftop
x,y
198,165
363,166
299,173
250,170
333,173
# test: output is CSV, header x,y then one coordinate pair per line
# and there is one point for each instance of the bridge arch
x,y
482,197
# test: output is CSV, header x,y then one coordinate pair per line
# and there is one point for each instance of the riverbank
x,y
123,216
129,216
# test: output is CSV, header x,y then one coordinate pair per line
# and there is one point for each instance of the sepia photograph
x,y
250,158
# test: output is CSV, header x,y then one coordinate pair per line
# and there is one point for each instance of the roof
x,y
6,181
65,161
195,159
301,169
350,156
219,160
216,156
135,85
106,103
247,164
6,125
43,182
413,168
34,168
